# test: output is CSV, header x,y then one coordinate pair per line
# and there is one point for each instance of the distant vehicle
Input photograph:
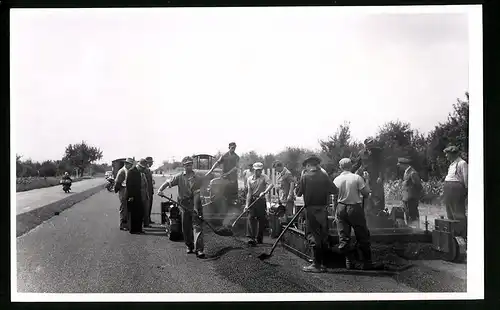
x,y
108,174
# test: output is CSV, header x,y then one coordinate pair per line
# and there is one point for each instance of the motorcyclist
x,y
66,181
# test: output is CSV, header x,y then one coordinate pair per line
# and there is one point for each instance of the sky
x,y
172,82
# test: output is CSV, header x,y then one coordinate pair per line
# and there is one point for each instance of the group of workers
x,y
358,185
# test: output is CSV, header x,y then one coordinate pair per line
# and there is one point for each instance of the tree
x,y
48,168
249,159
81,155
292,158
269,159
338,146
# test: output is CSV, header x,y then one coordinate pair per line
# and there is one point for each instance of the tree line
x,y
78,158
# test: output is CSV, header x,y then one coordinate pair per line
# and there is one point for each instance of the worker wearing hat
x,y
146,194
230,162
350,215
285,185
151,182
456,185
188,185
121,189
258,185
137,196
316,187
412,189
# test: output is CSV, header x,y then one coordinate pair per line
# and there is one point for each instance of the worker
x,y
151,183
258,185
136,197
230,161
188,185
412,190
316,187
350,215
369,164
456,185
121,189
285,184
246,174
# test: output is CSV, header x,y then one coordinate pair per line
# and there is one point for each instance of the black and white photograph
x,y
174,154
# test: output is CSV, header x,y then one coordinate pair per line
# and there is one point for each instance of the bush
x,y
433,191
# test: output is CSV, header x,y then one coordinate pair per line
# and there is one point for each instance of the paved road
x,y
36,198
83,251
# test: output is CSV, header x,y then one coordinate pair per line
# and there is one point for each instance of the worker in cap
x,y
369,165
121,189
316,187
412,190
230,163
350,215
259,185
145,188
151,183
188,185
285,184
455,190
137,196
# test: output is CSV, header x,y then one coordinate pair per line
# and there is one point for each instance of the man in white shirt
x,y
455,185
350,214
121,189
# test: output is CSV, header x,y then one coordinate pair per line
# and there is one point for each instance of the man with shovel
x,y
259,185
189,183
316,187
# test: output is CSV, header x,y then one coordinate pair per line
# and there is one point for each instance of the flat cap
x,y
149,159
187,160
404,160
312,159
451,149
258,166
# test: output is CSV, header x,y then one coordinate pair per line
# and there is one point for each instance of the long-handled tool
x,y
264,256
245,211
221,231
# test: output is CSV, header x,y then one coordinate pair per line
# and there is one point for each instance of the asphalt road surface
x,y
36,198
83,251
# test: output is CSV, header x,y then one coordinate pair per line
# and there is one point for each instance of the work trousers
x,y
256,220
135,215
151,195
353,217
122,195
146,205
317,232
192,227
455,195
411,206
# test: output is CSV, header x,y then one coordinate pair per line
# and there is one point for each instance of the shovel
x,y
221,231
264,256
251,205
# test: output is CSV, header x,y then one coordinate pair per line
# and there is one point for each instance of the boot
x,y
316,265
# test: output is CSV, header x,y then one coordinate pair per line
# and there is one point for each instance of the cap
x,y
404,160
312,159
277,163
258,166
232,144
451,149
149,159
369,141
345,163
187,160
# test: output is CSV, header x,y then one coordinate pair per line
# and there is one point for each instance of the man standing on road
x,y
189,183
285,186
412,190
151,183
456,185
316,187
229,161
258,185
143,168
136,189
350,214
121,189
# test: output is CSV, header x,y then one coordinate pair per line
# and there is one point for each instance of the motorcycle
x,y
111,184
66,184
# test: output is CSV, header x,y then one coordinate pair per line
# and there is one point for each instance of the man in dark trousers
x,y
412,190
230,162
316,187
135,199
189,183
350,215
151,182
456,185
258,185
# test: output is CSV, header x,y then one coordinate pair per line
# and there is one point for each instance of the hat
x,y
311,158
368,141
129,161
143,163
232,144
187,160
404,160
149,159
277,163
345,163
451,149
258,166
